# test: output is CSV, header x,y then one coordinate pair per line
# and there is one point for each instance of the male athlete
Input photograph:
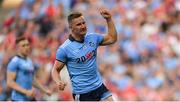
x,y
21,74
78,53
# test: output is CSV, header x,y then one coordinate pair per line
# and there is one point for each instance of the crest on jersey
x,y
91,44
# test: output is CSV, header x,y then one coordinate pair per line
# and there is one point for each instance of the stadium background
x,y
144,64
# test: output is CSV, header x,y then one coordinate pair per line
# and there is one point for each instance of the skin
x,y
78,30
23,48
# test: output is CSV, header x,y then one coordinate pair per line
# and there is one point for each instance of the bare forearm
x,y
38,85
16,87
111,29
55,75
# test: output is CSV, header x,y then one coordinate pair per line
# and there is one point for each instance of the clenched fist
x,y
30,93
61,85
105,13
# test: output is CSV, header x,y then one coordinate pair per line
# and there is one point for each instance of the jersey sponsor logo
x,y
86,57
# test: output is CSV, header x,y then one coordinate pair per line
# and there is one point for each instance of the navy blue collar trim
x,y
21,57
71,38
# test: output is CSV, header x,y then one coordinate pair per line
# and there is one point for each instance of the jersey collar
x,y
71,38
21,57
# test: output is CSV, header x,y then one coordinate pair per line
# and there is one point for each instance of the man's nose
x,y
83,25
27,46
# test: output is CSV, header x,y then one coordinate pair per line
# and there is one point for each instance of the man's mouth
x,y
83,29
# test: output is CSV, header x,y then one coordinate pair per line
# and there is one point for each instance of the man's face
x,y
24,47
78,26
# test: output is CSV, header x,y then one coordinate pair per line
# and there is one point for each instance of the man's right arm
x,y
58,65
11,76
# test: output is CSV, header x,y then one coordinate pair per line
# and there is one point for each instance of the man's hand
x,y
61,85
105,13
48,92
30,93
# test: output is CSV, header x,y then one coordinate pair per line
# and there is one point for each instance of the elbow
x,y
113,40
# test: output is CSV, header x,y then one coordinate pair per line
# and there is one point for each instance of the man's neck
x,y
22,56
77,38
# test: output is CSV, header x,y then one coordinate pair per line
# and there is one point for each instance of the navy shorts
x,y
98,94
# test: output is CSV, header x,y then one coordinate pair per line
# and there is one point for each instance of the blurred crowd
x,y
144,64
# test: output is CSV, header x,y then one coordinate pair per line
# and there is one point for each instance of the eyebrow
x,y
80,23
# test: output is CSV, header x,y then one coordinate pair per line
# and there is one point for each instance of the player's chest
x,y
82,52
26,66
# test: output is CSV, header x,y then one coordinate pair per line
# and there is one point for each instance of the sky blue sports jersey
x,y
25,71
80,59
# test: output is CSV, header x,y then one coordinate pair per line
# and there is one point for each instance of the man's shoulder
x,y
91,34
65,44
15,59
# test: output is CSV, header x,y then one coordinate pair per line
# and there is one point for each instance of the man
x,y
21,72
78,53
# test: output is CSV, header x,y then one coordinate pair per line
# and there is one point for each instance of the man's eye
x,y
26,45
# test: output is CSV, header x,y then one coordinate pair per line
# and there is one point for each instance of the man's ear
x,y
70,26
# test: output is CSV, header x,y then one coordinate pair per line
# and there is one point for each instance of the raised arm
x,y
111,37
56,74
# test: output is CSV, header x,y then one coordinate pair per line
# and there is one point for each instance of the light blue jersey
x,y
80,59
25,71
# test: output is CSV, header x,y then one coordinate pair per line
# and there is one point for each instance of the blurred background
x,y
143,65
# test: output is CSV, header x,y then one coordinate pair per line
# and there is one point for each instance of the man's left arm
x,y
111,37
38,85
